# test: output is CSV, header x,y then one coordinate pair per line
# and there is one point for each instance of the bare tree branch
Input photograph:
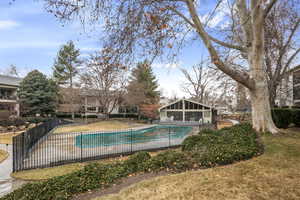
x,y
241,78
269,7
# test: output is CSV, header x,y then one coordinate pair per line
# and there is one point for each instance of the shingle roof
x,y
9,80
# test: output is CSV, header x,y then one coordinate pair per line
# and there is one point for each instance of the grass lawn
x,y
99,126
274,175
46,173
3,155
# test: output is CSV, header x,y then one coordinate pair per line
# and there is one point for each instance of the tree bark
x,y
261,110
273,95
260,102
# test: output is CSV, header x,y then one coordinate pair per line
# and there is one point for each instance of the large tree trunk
x,y
260,99
261,114
260,102
252,23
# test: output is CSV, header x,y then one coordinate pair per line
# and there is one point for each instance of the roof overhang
x,y
184,100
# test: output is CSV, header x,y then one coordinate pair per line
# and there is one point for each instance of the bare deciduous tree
x,y
282,45
198,81
11,70
105,79
155,27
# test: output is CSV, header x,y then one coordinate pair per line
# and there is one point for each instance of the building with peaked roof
x,y
87,102
8,95
184,110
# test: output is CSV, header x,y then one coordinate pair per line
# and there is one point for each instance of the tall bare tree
x,y
105,79
198,81
11,70
155,27
282,43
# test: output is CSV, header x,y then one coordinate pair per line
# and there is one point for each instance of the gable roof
x,y
10,80
184,100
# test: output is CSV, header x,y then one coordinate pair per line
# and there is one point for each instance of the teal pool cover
x,y
155,133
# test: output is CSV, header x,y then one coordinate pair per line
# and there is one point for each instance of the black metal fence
x,y
57,149
26,141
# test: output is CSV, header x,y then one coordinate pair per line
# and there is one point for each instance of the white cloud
x,y
219,16
166,65
213,21
90,48
8,24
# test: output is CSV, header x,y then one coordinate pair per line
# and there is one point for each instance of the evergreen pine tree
x,y
37,94
66,68
143,91
143,81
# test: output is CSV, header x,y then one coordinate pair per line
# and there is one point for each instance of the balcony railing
x,y
12,97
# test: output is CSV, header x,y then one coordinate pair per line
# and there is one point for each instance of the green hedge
x,y
135,116
283,117
223,146
22,121
67,115
296,117
207,149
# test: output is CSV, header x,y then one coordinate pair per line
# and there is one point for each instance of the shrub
x,y
93,176
123,116
168,160
223,146
67,115
296,117
135,162
196,142
282,117
12,122
207,131
36,119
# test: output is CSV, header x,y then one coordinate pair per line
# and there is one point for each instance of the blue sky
x,y
30,39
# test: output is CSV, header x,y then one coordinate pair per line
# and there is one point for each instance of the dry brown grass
x,y
46,173
274,175
6,138
3,155
99,126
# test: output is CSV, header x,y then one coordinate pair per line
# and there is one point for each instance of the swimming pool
x,y
131,136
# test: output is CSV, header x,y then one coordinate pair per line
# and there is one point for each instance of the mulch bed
x,y
125,182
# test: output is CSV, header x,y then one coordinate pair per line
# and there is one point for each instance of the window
x,y
296,93
176,115
91,109
128,109
193,116
100,109
206,114
296,77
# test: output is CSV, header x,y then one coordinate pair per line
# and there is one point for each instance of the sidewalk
x,y
6,181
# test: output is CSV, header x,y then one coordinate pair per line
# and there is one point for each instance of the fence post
x,y
131,140
23,151
81,146
169,136
14,153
